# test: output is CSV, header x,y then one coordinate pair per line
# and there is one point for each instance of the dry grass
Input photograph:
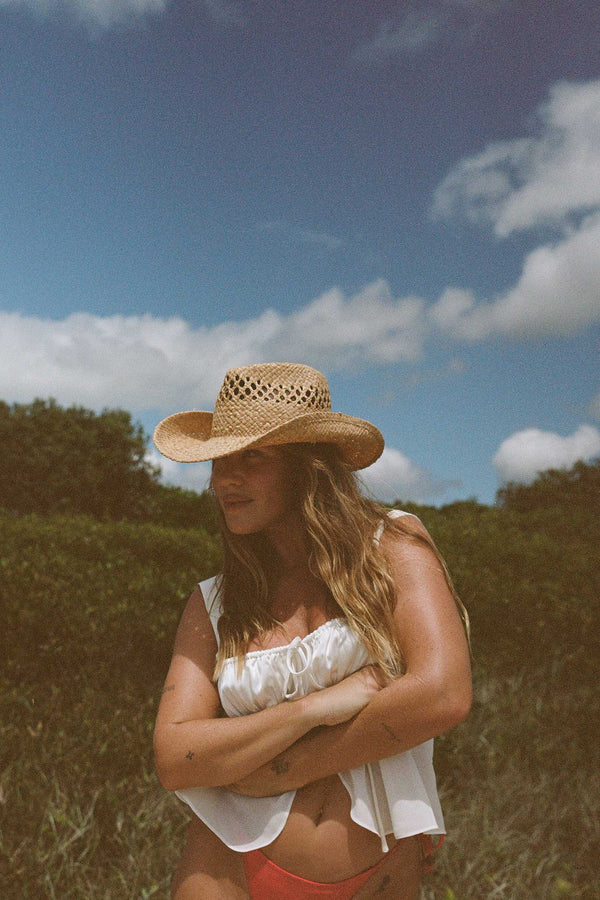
x,y
89,626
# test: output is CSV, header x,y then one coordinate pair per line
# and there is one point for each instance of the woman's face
x,y
253,490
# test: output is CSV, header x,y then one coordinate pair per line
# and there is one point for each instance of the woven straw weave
x,y
268,403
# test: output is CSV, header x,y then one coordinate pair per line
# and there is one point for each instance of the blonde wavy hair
x,y
340,525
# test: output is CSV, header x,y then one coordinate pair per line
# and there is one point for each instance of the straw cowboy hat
x,y
268,403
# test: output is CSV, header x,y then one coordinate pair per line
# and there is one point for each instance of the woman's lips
x,y
235,502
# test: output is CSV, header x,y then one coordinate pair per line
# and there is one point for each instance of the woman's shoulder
x,y
398,522
402,532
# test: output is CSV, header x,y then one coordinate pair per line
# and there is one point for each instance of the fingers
x,y
377,675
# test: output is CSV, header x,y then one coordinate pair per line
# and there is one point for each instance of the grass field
x,y
89,612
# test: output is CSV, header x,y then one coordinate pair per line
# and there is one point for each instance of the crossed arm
x,y
358,721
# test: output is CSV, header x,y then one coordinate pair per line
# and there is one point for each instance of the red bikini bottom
x,y
268,881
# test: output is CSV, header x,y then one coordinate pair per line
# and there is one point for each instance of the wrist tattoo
x,y
189,755
280,766
393,736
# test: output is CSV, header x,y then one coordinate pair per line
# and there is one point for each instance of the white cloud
x,y
191,476
548,179
416,29
558,293
392,477
395,477
100,14
370,326
523,455
104,14
320,239
143,362
225,12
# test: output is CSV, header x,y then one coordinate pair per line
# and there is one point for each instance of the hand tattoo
x,y
189,755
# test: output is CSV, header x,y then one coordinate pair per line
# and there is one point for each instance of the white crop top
x,y
396,796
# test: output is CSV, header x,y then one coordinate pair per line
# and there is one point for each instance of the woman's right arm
x,y
195,747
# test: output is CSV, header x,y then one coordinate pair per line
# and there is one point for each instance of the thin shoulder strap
x,y
393,514
210,592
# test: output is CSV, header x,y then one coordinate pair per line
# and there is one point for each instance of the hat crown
x,y
259,397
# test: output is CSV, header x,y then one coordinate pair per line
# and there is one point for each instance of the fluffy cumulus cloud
x,y
395,477
552,179
558,293
144,362
370,326
523,455
546,179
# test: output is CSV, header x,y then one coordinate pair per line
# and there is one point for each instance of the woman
x,y
333,644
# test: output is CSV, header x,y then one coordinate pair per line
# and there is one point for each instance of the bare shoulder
x,y
189,691
195,632
405,538
422,584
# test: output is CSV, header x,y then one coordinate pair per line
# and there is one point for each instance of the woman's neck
x,y
290,544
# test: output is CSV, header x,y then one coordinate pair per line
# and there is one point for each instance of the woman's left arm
x,y
432,696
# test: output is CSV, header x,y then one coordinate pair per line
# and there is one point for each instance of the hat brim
x,y
186,437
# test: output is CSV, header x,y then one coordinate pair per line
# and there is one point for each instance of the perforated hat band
x,y
251,401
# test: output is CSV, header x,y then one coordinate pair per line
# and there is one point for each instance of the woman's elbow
x,y
165,763
454,703
460,707
163,766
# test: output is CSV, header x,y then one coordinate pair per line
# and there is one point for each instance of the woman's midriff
x,y
320,841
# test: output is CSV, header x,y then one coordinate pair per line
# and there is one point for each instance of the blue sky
x,y
405,195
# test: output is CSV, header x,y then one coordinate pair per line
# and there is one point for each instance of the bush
x,y
89,612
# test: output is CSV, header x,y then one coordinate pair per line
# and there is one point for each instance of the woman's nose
x,y
226,470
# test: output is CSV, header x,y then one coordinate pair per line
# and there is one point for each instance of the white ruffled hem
x,y
394,796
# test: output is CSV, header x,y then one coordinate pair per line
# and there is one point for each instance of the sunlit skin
x,y
376,718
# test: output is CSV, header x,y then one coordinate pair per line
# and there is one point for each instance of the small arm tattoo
x,y
189,755
169,687
391,733
280,766
384,884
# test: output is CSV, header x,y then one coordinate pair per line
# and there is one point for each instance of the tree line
x,y
75,461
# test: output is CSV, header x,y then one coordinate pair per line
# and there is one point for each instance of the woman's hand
x,y
332,706
342,701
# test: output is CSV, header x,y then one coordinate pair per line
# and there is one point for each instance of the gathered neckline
x,y
336,621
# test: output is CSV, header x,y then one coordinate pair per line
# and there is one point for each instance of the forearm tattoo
x,y
280,766
190,755
393,736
